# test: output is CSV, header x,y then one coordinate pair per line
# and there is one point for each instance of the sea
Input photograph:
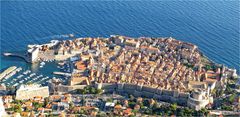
x,y
212,25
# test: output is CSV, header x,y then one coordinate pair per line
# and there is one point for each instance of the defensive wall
x,y
171,96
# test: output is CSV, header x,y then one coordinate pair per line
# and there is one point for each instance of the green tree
x,y
99,91
92,90
231,98
18,108
134,111
187,111
131,104
173,107
228,108
71,105
37,105
109,100
204,111
208,67
46,101
17,101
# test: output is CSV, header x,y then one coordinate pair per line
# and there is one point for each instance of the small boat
x,y
19,69
15,84
33,74
42,63
20,76
26,72
61,63
71,35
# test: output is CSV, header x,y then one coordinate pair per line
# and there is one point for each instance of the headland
x,y
164,69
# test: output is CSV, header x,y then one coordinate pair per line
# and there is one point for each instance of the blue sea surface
x,y
212,25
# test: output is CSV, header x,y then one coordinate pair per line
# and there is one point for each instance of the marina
x,y
26,77
15,76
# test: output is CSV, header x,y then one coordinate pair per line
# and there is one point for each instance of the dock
x,y
62,73
7,72
27,59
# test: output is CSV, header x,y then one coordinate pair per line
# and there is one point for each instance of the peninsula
x,y
157,69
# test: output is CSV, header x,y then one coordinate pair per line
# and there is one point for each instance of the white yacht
x,y
20,76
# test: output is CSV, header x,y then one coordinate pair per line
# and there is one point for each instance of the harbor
x,y
38,73
19,77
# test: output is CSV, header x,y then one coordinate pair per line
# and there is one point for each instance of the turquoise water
x,y
213,26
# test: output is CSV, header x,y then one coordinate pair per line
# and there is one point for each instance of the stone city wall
x,y
144,91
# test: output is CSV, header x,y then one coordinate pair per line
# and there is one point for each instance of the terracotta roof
x,y
49,106
25,113
54,97
128,111
80,65
118,107
40,109
28,103
38,97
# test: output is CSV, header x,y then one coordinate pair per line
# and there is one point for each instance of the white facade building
x,y
2,109
33,53
30,91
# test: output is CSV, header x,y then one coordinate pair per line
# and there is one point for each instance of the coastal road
x,y
219,112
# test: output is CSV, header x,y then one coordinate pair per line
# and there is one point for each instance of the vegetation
x,y
89,90
232,97
209,67
46,101
37,105
17,108
151,107
225,107
229,89
188,65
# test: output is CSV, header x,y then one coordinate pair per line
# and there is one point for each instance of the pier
x,y
62,73
27,59
7,72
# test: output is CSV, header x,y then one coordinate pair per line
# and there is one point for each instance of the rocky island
x,y
163,69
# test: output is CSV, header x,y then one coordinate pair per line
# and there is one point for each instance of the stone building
x,y
199,99
25,92
33,53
